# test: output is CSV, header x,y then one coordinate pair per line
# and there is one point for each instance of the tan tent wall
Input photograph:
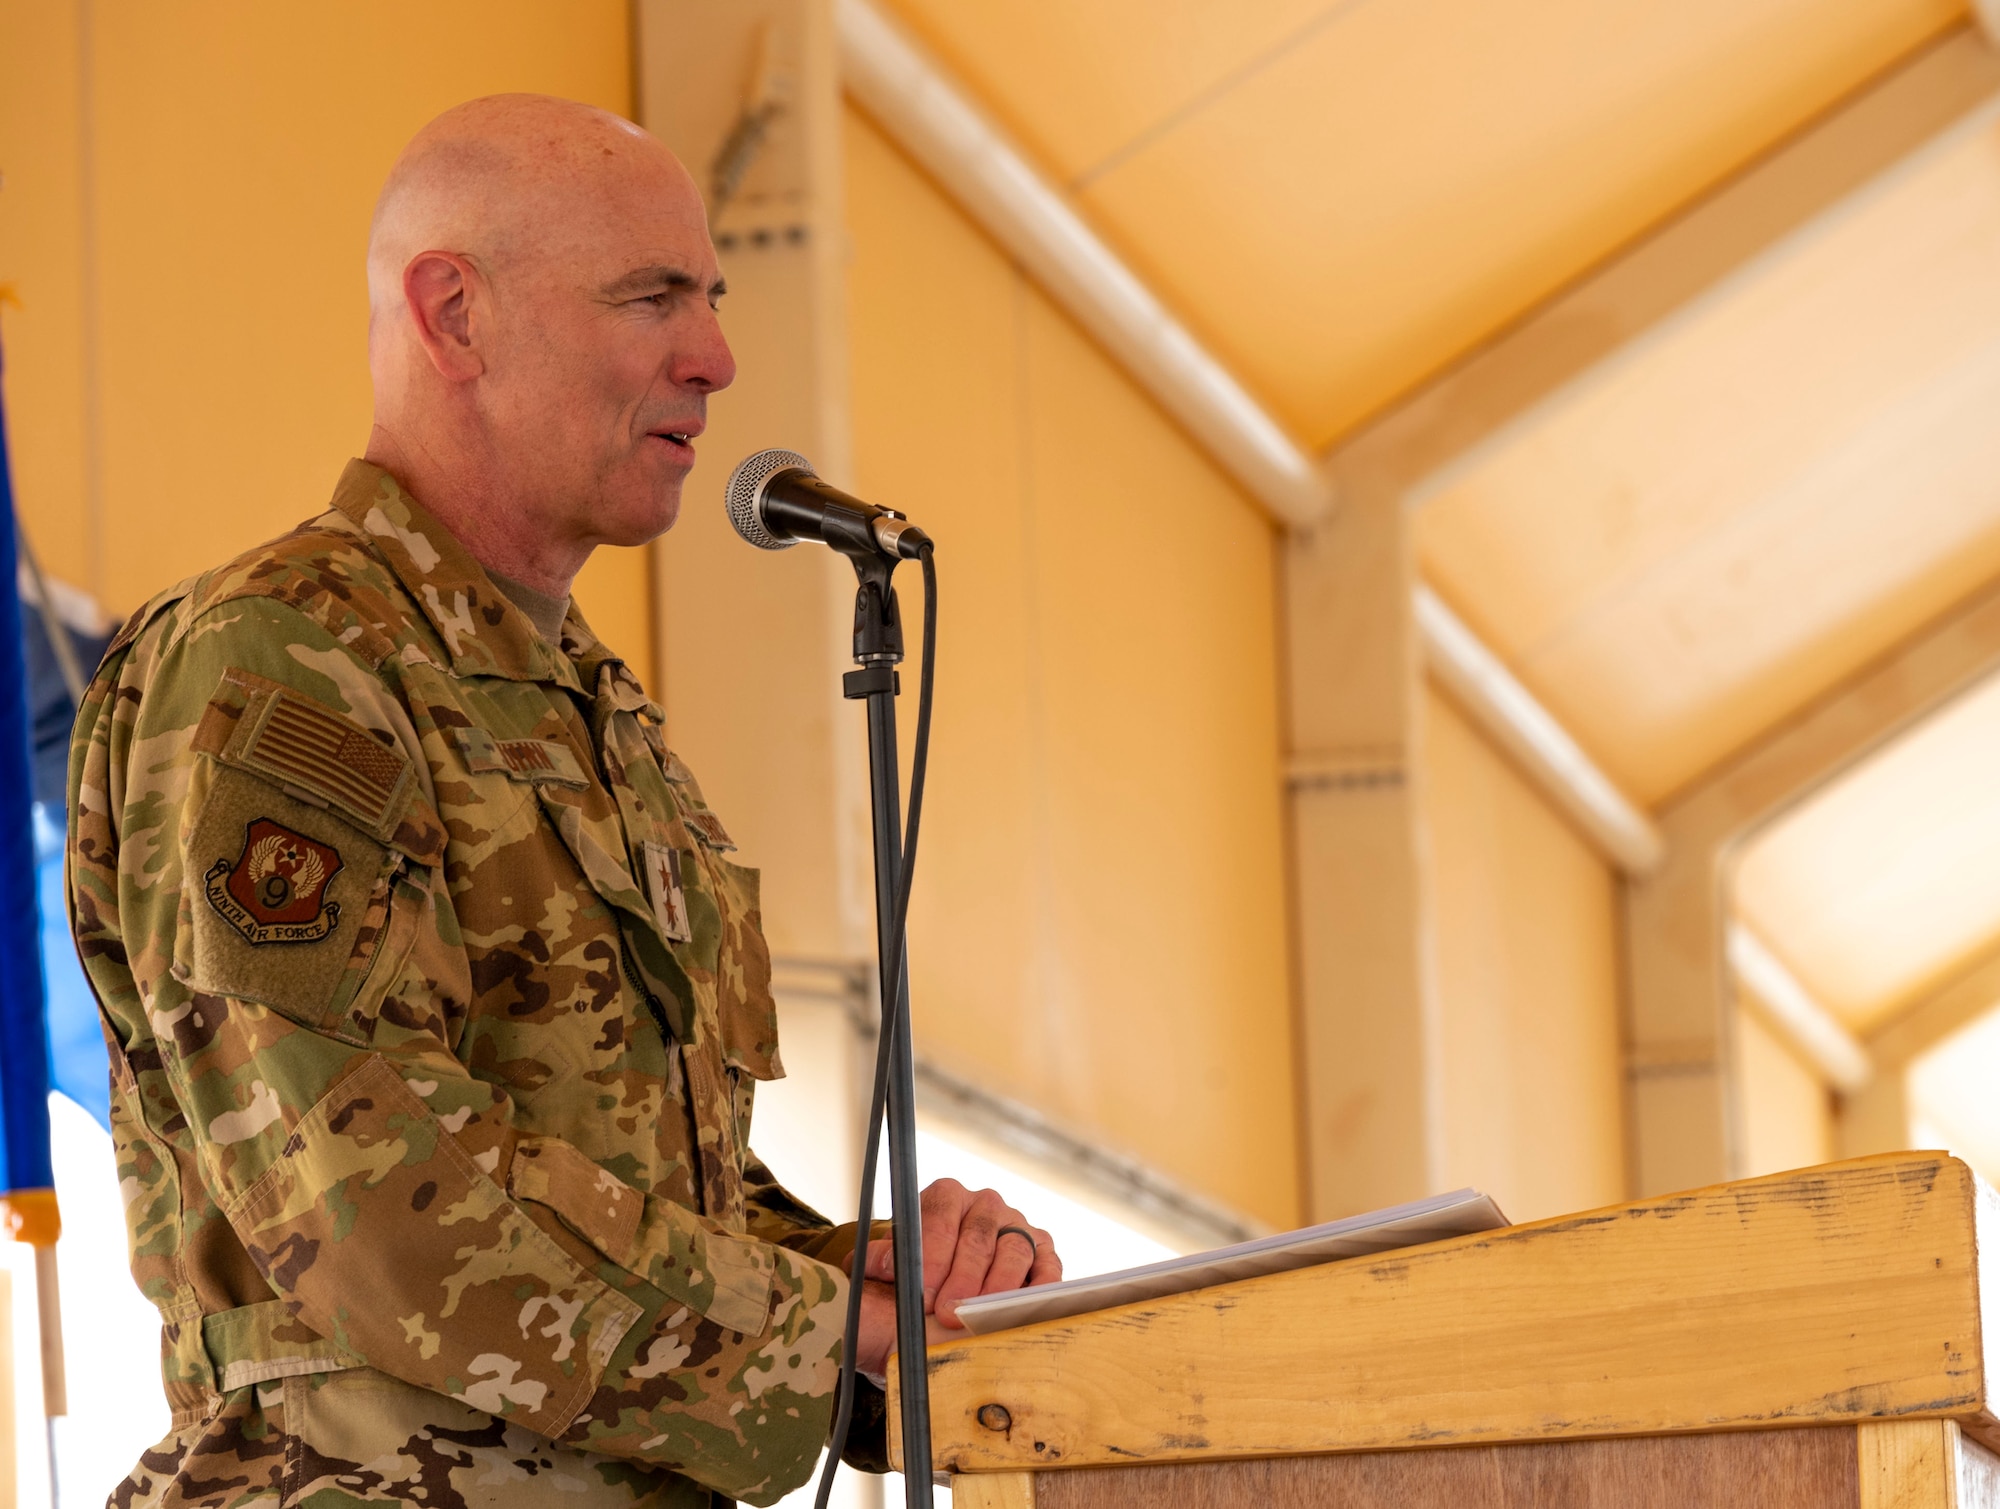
x,y
1525,944
41,208
1103,927
185,209
1785,1108
184,215
1100,921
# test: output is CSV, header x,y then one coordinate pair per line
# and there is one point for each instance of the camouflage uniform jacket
x,y
435,1006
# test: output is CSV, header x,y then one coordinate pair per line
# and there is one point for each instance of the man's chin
x,y
640,521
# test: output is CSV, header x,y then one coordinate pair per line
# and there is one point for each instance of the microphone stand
x,y
878,649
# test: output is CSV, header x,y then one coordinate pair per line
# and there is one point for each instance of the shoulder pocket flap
x,y
736,1283
603,1208
722,1277
321,756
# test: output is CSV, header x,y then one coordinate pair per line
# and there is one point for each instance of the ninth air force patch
x,y
275,890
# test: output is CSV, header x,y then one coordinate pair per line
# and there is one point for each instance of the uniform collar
x,y
485,634
603,673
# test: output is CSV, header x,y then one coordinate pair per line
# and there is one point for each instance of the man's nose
x,y
706,362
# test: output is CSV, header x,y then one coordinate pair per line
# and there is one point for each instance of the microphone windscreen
x,y
745,494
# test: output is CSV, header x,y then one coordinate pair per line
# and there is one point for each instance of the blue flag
x,y
27,1177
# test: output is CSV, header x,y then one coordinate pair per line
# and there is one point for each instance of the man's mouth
x,y
681,438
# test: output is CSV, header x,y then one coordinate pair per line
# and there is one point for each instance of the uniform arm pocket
x,y
734,1382
386,1235
394,1245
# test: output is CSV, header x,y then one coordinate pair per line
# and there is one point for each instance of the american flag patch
x,y
329,756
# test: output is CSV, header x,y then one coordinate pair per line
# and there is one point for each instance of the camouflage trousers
x,y
329,1440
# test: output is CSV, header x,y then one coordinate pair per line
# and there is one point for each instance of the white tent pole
x,y
55,1378
10,1462
1529,731
923,108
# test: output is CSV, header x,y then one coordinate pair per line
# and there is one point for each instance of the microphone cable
x,y
893,993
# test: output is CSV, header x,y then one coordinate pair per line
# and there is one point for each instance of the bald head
x,y
508,181
542,330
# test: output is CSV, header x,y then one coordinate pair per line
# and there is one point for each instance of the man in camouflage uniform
x,y
435,1001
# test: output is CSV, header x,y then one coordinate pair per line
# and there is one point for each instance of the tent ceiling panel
x,y
1888,879
1344,196
1743,506
1952,1103
1722,520
1078,82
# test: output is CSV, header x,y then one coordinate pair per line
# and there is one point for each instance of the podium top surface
x,y
1844,1293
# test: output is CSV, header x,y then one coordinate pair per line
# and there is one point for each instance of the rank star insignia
x,y
663,884
275,890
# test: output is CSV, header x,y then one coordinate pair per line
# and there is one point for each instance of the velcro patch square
x,y
281,892
532,760
706,826
663,888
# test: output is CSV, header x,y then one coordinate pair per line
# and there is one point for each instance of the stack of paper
x,y
1453,1215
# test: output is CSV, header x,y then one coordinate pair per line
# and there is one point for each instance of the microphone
x,y
775,500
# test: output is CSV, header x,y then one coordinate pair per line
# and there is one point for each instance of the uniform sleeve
x,y
289,947
778,1216
774,1214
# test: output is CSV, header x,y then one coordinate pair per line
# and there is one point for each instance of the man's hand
x,y
967,1251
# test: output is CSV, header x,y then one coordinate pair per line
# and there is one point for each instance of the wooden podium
x,y
1811,1339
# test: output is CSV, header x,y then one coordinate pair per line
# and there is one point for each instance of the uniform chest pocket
x,y
746,1011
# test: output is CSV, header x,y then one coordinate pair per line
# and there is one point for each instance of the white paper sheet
x,y
1457,1214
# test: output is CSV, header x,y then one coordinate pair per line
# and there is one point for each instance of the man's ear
x,y
445,295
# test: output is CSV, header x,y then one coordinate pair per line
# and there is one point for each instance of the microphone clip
x,y
878,617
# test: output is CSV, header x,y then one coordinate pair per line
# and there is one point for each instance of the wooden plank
x,y
1978,1476
1830,1295
1908,1464
1766,1469
993,1490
